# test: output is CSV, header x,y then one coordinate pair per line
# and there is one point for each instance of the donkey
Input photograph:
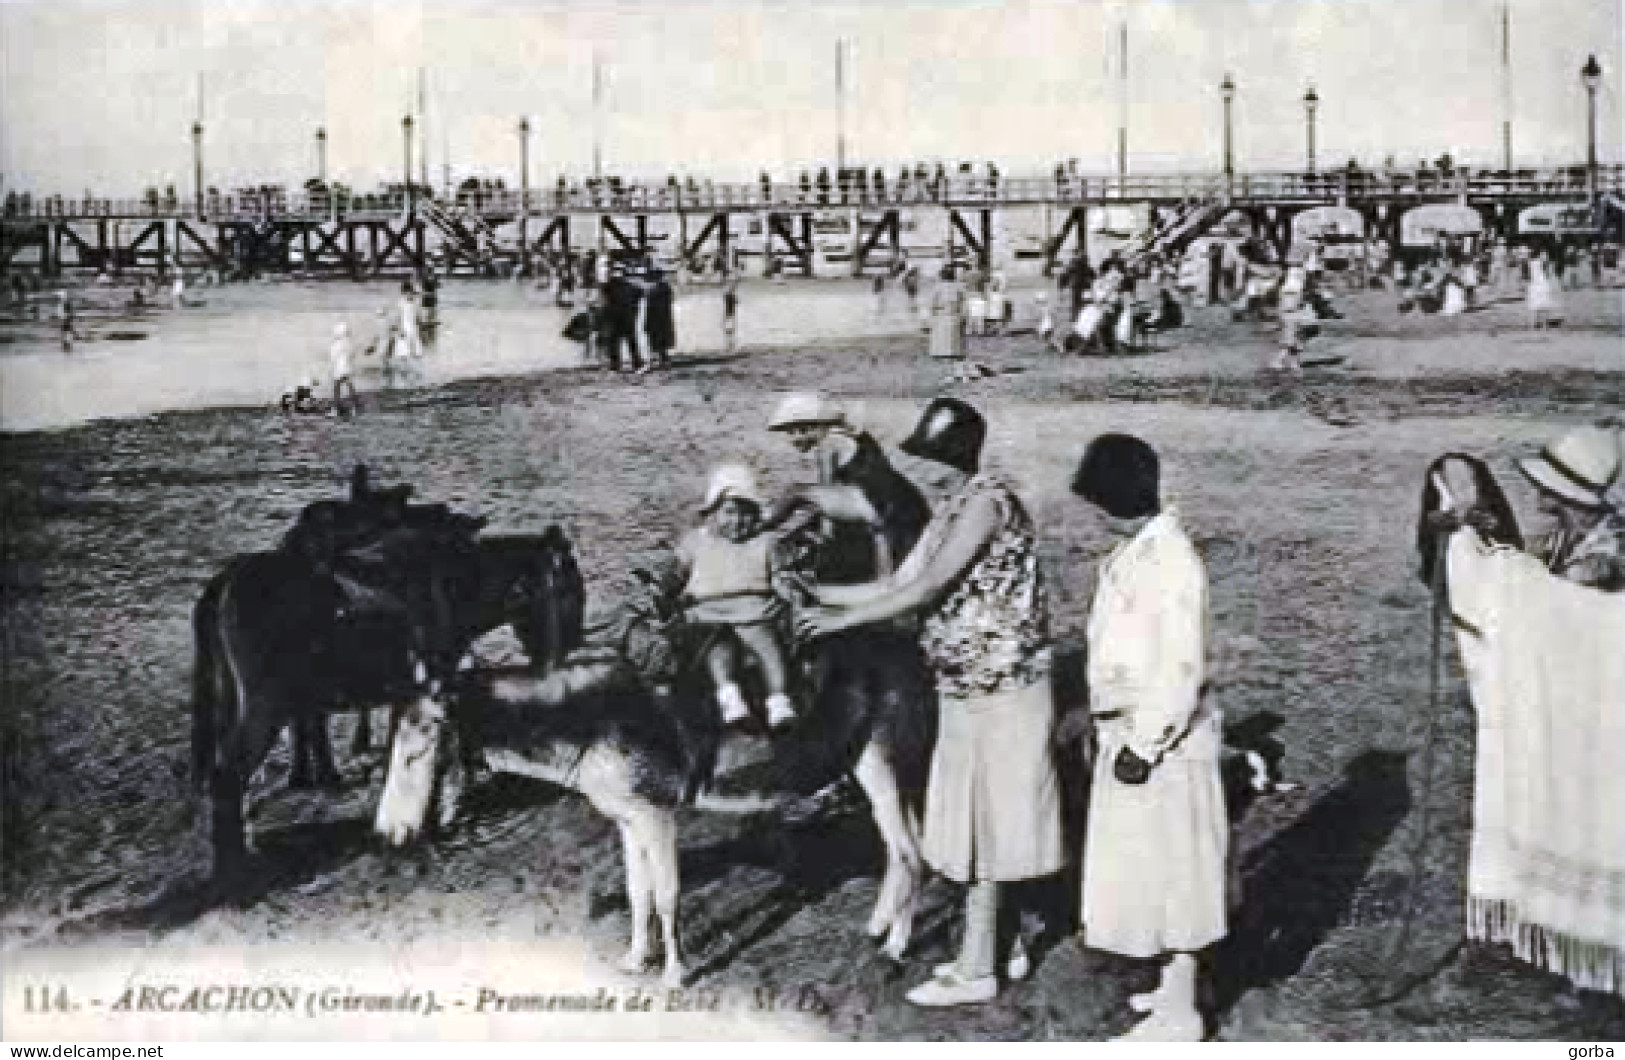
x,y
640,751
282,637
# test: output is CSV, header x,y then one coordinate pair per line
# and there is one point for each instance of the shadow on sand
x,y
1302,883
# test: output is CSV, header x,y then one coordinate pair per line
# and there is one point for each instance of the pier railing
x,y
950,190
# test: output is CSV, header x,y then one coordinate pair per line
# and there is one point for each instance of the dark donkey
x,y
326,624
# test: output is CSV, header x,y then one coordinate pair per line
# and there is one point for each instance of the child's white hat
x,y
731,482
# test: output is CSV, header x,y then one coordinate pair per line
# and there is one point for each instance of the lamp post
x,y
197,166
1591,75
321,155
406,167
1227,91
1311,103
524,195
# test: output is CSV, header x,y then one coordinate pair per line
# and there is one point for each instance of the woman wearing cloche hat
x,y
992,806
1156,839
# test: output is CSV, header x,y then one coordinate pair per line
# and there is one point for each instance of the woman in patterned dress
x,y
992,812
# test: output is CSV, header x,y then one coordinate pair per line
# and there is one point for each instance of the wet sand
x,y
1301,495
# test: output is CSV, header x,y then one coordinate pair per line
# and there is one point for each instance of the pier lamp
x,y
1311,103
1227,92
524,194
1591,76
197,165
406,169
321,155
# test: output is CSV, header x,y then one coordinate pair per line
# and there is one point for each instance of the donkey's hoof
x,y
634,961
674,977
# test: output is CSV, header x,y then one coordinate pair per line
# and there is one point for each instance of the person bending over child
x,y
728,560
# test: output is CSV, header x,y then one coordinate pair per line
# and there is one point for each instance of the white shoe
x,y
946,990
1016,969
732,702
1166,1025
779,711
1147,1002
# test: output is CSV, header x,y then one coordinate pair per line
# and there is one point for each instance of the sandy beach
x,y
1301,494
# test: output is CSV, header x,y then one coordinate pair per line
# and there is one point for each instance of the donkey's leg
x,y
639,897
257,731
656,830
319,766
900,889
301,755
361,739
226,835
649,835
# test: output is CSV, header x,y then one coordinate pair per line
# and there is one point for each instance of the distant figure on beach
x,y
659,321
878,286
997,316
64,316
1170,314
975,304
566,296
301,397
177,293
1046,320
730,314
1545,306
341,357
911,287
385,345
621,298
408,342
948,321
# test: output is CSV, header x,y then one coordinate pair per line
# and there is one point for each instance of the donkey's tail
x,y
206,664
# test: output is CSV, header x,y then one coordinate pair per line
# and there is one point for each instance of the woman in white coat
x,y
1155,848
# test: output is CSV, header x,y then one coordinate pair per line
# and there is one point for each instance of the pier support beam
x,y
980,244
1076,229
800,248
890,225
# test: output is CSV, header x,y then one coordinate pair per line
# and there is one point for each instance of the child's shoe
x,y
732,702
779,711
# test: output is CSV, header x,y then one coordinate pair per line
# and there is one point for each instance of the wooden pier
x,y
409,233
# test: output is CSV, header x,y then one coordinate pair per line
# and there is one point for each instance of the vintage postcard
x,y
725,519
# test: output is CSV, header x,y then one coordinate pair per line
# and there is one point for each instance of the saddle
x,y
374,543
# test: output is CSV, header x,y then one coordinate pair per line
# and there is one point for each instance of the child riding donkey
x,y
728,563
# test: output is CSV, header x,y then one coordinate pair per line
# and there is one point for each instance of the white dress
x,y
1090,317
1455,298
340,357
406,337
1154,853
1542,295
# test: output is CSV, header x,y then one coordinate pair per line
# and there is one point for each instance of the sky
x,y
100,94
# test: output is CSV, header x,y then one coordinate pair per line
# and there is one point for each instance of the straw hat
x,y
1578,467
731,482
804,409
